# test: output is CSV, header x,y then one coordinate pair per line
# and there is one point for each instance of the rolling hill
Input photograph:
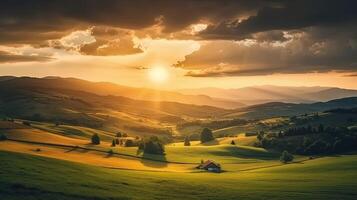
x,y
104,89
56,100
270,93
33,177
275,109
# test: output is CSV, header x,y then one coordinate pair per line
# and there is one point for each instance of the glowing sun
x,y
158,74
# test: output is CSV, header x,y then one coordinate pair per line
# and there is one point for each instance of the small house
x,y
210,165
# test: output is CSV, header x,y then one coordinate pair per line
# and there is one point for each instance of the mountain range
x,y
270,93
69,99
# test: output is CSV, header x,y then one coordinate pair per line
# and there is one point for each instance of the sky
x,y
174,44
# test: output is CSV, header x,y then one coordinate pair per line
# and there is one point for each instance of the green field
x,y
33,177
89,172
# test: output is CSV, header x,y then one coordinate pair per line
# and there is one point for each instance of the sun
x,y
158,74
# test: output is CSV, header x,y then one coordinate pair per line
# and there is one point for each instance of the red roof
x,y
209,164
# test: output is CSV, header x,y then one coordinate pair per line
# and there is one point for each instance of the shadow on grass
x,y
108,155
210,143
239,152
154,160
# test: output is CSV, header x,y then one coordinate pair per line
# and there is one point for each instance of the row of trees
x,y
151,145
323,141
304,130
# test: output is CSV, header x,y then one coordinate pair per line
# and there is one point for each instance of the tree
x,y
321,128
2,137
260,135
286,157
233,143
124,135
206,135
95,139
118,134
187,141
113,143
152,145
116,141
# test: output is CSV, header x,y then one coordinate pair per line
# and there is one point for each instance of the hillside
x,y
35,101
275,109
270,93
104,88
46,178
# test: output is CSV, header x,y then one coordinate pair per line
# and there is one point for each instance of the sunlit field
x,y
330,177
178,100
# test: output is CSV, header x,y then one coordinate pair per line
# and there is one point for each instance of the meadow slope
x,y
33,177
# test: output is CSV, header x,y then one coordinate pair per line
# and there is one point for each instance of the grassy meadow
x,y
45,161
34,177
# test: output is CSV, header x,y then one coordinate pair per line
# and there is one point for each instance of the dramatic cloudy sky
x,y
201,43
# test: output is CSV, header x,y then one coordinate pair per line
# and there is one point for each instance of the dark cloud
x,y
26,19
7,57
229,19
286,15
261,36
302,52
110,41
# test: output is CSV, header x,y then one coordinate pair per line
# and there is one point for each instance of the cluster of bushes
x,y
152,145
2,137
286,157
206,135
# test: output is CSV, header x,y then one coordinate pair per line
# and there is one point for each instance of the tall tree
x,y
286,157
113,143
206,135
187,141
95,139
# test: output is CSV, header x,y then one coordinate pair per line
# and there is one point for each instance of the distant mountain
x,y
276,109
268,93
60,100
104,88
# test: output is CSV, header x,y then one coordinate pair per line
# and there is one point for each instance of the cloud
x,y
35,21
285,15
7,57
308,50
238,37
110,41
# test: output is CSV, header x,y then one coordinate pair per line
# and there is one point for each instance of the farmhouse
x,y
210,165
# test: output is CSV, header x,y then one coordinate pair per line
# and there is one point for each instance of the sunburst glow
x,y
158,74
